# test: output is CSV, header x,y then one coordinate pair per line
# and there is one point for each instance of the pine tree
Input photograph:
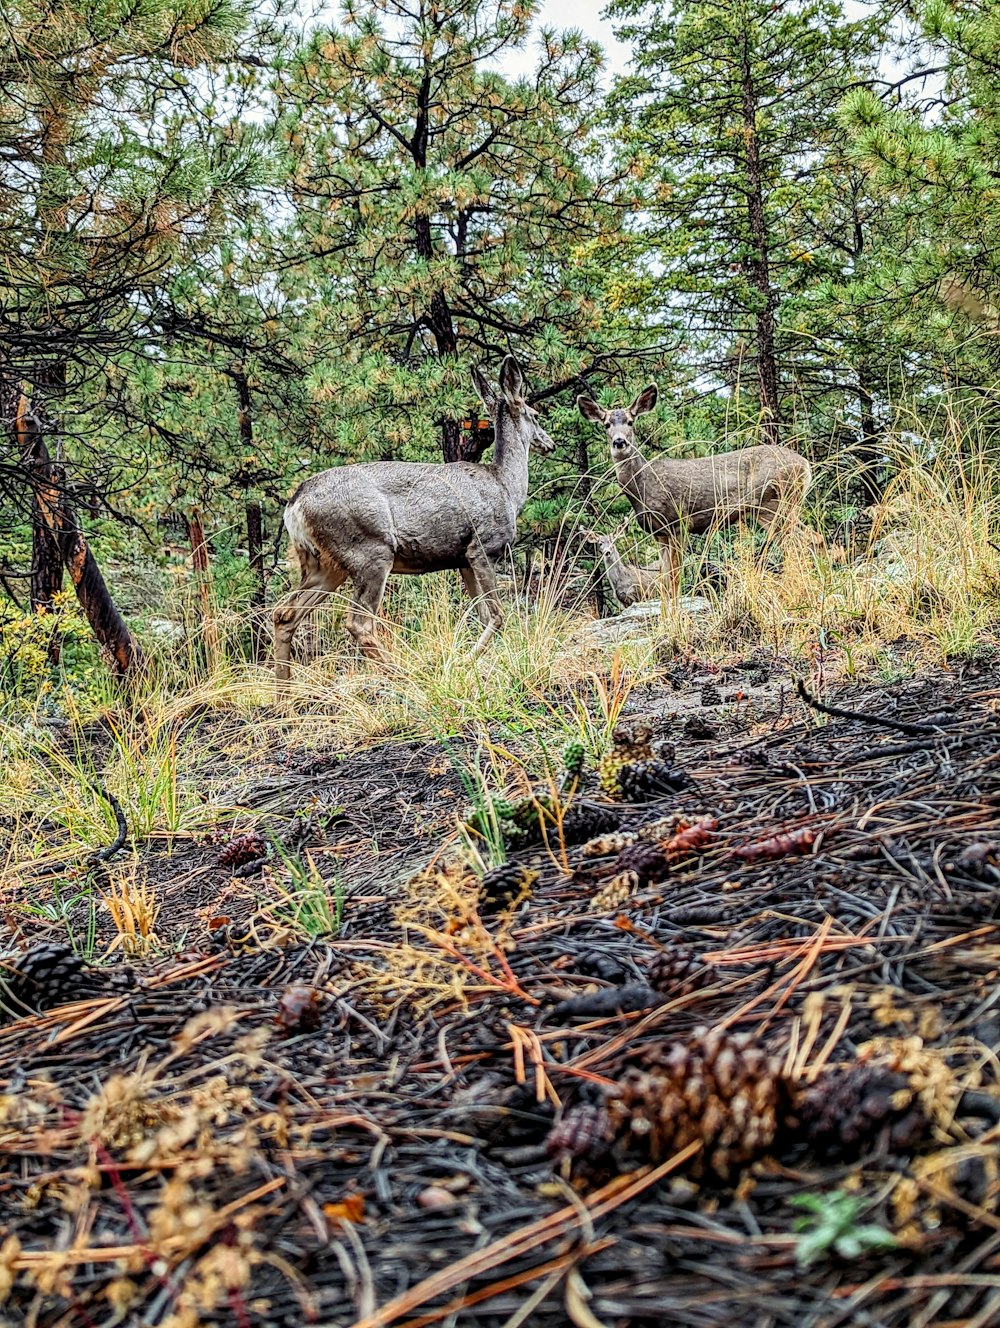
x,y
450,215
726,119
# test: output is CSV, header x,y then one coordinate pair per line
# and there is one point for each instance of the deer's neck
x,y
510,458
613,562
630,471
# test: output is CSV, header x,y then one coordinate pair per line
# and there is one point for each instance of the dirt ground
x,y
597,1102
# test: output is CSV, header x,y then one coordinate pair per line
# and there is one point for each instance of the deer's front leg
x,y
491,611
475,594
670,565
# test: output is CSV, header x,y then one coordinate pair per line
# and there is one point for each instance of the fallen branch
x,y
839,712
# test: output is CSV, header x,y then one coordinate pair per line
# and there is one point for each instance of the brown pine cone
x,y
676,971
582,1130
629,742
242,849
648,862
715,1089
586,820
844,1111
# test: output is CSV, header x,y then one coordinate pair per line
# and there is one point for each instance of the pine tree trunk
x,y
46,501
92,592
758,266
255,527
868,450
255,554
202,577
586,490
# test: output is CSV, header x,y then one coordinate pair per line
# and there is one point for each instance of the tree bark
x,y
868,450
255,554
758,267
255,528
202,577
586,488
92,591
46,501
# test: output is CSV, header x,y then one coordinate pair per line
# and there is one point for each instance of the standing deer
x,y
367,520
629,583
670,498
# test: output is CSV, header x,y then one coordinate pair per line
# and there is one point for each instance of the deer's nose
x,y
619,441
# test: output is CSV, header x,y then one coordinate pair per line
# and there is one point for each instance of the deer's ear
x,y
511,379
485,389
644,402
589,409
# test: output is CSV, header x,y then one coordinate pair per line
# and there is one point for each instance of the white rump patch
x,y
298,531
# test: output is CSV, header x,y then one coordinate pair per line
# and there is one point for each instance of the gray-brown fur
x,y
363,522
671,498
629,583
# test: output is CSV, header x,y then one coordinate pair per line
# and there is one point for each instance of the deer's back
x,y
426,513
700,491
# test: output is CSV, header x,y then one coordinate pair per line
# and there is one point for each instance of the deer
x,y
367,520
670,498
629,583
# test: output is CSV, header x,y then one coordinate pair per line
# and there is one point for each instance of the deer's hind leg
x,y
316,584
369,590
491,610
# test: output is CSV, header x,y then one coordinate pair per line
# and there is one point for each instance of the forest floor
x,y
733,1061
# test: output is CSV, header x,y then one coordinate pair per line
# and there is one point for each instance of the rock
x,y
640,620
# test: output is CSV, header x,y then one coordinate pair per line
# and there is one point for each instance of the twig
x,y
839,712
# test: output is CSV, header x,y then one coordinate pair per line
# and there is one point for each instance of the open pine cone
x,y
715,1088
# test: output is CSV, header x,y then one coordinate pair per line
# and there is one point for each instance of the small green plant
x,y
831,1225
307,903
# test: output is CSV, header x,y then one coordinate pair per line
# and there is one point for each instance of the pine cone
x,y
504,887
664,827
628,743
614,894
43,978
583,1129
843,1112
647,862
483,819
242,849
574,756
717,1089
639,781
604,845
586,820
710,695
676,971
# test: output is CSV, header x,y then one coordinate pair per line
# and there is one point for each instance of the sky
x,y
587,16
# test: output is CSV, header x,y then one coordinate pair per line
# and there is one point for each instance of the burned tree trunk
x,y
255,526
255,554
46,501
92,591
597,587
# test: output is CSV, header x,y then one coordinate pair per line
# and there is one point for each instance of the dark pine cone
x,y
43,978
584,1129
843,1113
639,781
241,849
587,820
504,886
647,860
675,971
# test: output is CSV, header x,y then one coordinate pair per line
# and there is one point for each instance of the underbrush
x,y
919,588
